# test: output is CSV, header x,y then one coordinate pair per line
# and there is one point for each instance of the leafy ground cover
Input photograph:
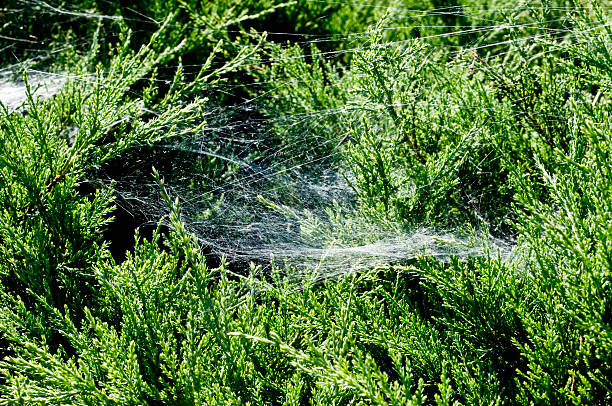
x,y
305,202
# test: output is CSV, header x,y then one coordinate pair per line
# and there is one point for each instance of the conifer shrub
x,y
513,143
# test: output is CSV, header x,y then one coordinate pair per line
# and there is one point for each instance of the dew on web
x,y
248,197
13,93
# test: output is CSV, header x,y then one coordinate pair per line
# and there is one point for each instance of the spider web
x,y
243,194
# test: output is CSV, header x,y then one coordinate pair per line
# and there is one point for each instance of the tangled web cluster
x,y
248,201
13,93
302,217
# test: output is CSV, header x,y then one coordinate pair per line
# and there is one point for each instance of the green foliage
x,y
512,133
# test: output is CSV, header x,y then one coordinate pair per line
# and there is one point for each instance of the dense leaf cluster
x,y
506,127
